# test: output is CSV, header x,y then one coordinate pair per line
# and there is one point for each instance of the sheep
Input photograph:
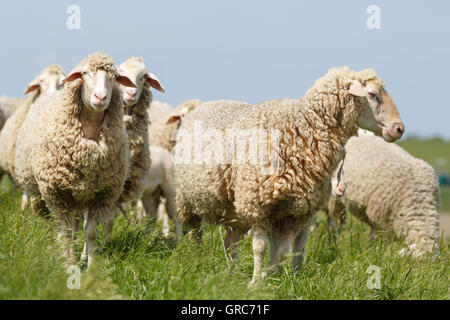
x,y
160,183
165,122
9,105
49,80
387,188
72,149
136,102
305,138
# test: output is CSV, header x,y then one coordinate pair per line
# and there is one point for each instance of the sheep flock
x,y
84,145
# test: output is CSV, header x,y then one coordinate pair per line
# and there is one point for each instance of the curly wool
x,y
137,130
8,135
56,161
313,131
389,189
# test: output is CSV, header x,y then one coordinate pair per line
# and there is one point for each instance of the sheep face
x,y
97,86
135,70
379,113
97,90
48,81
337,180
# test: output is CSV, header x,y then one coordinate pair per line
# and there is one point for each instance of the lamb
x,y
165,121
160,183
305,137
390,189
48,81
137,102
72,149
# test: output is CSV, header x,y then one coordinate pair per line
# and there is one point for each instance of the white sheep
x,y
49,80
304,138
388,188
136,118
72,149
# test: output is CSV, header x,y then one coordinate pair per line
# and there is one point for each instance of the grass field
x,y
138,263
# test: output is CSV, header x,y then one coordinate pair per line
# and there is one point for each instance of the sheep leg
x,y
140,210
171,209
274,237
64,237
259,244
231,240
163,214
25,200
109,224
298,249
90,233
84,254
74,235
178,229
284,236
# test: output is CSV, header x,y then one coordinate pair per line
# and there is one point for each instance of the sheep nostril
x,y
399,129
100,98
131,94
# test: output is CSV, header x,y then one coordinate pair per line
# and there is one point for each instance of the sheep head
x,y
135,70
49,80
379,113
98,76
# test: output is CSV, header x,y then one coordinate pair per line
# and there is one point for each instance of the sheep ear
x,y
153,81
125,81
76,72
357,89
173,119
33,85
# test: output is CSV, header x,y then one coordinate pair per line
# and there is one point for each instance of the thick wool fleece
x,y
68,170
313,131
8,135
390,189
137,130
161,134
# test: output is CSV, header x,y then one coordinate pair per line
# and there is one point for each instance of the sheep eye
x,y
372,95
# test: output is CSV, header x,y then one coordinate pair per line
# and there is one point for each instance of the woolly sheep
x,y
48,81
72,149
388,188
136,102
305,138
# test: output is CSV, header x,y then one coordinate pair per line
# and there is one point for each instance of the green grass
x,y
435,151
138,263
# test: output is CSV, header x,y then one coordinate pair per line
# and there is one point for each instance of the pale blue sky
x,y
246,50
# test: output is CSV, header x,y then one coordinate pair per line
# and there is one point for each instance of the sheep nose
x,y
398,129
131,94
100,97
